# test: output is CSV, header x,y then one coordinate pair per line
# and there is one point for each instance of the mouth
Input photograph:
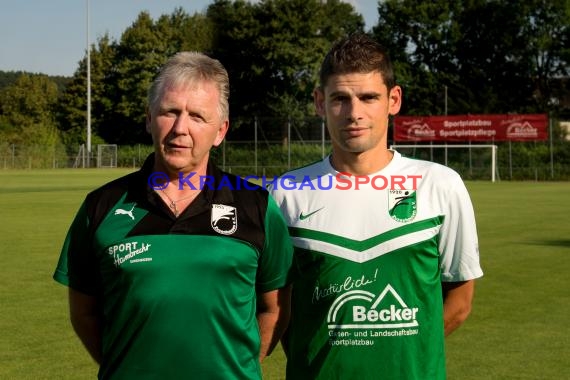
x,y
175,146
354,131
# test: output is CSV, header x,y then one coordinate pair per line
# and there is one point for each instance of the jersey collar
x,y
219,193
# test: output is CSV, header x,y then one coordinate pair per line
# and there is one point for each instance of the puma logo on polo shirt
x,y
120,211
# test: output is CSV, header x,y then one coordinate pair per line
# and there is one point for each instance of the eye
x,y
369,98
339,98
169,112
196,117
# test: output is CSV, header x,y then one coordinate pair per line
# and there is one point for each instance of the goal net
x,y
107,155
473,162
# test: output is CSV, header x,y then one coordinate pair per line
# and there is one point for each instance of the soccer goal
x,y
107,155
469,160
80,158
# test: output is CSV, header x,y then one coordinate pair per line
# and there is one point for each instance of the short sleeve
x,y
458,243
76,267
276,258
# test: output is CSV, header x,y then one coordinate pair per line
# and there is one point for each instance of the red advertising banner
x,y
471,128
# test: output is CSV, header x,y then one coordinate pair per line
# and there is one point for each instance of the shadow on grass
x,y
552,243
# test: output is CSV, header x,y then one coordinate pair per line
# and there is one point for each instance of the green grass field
x,y
518,328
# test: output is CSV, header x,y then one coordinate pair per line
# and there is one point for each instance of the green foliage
x,y
239,158
274,48
493,56
530,160
7,78
121,73
26,120
28,100
133,156
272,159
421,38
71,111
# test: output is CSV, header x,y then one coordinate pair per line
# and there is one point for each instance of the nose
x,y
180,126
354,111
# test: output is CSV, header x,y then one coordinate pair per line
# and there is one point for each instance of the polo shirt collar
x,y
217,193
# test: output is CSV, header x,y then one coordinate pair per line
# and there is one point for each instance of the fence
x,y
33,157
271,146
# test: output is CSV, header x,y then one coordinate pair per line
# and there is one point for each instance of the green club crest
x,y
402,205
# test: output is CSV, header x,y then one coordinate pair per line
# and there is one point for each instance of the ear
x,y
221,133
395,100
319,100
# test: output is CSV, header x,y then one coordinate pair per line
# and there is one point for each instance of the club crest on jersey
x,y
402,205
224,219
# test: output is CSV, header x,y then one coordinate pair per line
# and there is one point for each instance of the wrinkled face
x,y
356,107
185,125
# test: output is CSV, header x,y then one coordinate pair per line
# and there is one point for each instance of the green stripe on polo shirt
x,y
362,245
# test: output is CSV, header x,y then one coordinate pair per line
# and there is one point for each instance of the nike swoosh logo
x,y
303,217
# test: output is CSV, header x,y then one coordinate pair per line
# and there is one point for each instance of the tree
x,y
143,49
28,101
71,110
26,114
492,56
121,73
294,38
235,30
273,49
185,33
140,53
421,38
547,37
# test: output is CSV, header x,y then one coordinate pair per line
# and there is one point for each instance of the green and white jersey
x,y
179,294
369,262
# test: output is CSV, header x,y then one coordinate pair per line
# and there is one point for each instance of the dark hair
x,y
357,53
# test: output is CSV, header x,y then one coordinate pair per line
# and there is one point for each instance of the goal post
x,y
107,155
426,152
80,158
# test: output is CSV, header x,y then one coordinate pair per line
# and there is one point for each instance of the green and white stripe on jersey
x,y
364,250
